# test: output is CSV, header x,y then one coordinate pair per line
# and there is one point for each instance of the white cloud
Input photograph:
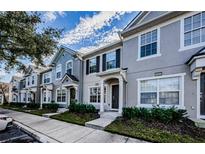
x,y
89,26
52,16
105,39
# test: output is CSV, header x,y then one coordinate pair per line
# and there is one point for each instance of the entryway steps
x,y
199,123
105,119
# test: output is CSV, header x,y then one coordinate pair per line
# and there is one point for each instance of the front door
x,y
202,95
72,94
115,96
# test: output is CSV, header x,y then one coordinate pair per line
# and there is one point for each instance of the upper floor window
x,y
111,60
69,67
194,29
58,71
148,44
33,80
47,77
92,65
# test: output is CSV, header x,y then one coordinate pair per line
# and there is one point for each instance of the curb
x,y
35,134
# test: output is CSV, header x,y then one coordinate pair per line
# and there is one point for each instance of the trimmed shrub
x,y
82,108
33,105
50,106
164,115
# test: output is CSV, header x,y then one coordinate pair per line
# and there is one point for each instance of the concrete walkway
x,y
51,130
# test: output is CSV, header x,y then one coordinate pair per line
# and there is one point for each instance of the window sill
x,y
161,106
148,57
191,47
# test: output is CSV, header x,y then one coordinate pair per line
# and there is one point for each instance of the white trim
x,y
181,104
139,58
61,88
182,47
67,65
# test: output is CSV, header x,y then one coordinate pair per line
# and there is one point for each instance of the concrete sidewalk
x,y
57,131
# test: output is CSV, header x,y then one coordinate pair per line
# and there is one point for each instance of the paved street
x,y
65,132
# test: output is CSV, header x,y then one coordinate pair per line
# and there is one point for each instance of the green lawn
x,y
137,129
39,112
76,118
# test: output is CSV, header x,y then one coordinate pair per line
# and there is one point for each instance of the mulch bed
x,y
185,127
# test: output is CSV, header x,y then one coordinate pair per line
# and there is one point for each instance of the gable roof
x,y
136,19
72,77
134,28
201,52
61,51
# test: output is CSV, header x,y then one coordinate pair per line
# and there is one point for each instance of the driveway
x,y
59,131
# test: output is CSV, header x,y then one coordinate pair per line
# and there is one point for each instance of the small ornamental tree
x,y
21,38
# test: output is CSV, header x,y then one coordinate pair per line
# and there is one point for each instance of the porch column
x,y
41,105
102,96
68,97
120,95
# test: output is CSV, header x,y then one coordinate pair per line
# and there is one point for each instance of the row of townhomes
x,y
159,60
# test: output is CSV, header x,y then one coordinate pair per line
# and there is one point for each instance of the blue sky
x,y
84,31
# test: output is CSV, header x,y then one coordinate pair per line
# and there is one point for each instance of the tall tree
x,y
21,38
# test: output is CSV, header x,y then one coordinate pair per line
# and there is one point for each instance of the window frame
x,y
139,58
181,94
60,66
105,94
93,58
111,52
69,61
182,32
61,102
44,78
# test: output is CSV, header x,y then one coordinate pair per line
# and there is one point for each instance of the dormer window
x,y
58,71
69,67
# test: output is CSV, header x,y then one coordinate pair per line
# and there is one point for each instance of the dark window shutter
x,y
98,63
118,58
87,66
104,62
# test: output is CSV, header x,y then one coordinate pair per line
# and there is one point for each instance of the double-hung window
x,y
93,65
69,67
47,77
148,44
61,95
28,81
110,60
33,80
161,91
194,29
95,95
58,71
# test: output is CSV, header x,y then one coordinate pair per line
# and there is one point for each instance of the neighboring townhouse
x,y
62,82
30,85
165,60
4,92
14,89
104,82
